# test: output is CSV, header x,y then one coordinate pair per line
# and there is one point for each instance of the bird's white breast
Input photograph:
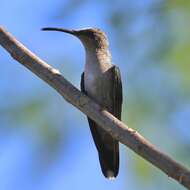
x,y
95,68
93,77
90,81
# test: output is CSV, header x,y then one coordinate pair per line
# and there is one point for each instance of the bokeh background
x,y
45,143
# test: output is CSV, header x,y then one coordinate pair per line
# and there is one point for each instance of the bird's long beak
x,y
73,32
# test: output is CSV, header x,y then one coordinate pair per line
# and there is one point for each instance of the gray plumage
x,y
101,81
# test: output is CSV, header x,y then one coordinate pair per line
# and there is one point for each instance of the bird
x,y
101,81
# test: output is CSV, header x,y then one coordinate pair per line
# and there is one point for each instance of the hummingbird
x,y
101,81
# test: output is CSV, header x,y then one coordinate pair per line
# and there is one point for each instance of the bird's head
x,y
92,38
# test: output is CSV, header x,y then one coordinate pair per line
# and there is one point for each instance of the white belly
x,y
91,84
98,87
95,78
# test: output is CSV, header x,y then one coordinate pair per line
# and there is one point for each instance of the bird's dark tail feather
x,y
108,150
109,161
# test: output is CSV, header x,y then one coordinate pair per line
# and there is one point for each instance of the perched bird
x,y
101,81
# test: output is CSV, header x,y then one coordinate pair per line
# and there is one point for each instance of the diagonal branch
x,y
108,122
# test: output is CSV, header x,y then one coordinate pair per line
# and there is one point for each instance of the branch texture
x,y
107,121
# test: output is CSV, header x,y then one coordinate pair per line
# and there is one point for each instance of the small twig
x,y
107,121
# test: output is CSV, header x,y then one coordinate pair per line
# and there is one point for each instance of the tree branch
x,y
107,121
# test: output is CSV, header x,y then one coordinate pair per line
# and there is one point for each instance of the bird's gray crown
x,y
97,36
